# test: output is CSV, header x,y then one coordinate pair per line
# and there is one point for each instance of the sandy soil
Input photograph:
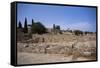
x,y
33,58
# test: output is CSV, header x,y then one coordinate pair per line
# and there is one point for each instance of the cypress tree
x,y
54,28
25,26
20,25
33,27
32,21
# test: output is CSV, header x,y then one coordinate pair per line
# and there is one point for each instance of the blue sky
x,y
82,18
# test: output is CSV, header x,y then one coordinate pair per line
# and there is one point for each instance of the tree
x,y
32,21
86,32
33,27
58,27
54,28
78,32
20,25
38,28
25,26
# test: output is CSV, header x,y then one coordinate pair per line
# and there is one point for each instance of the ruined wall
x,y
60,44
79,49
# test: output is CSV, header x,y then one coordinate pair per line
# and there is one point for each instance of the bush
x,y
78,32
87,32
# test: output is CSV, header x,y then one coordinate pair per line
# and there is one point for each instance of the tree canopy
x,y
38,28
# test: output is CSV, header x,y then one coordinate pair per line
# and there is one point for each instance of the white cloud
x,y
84,26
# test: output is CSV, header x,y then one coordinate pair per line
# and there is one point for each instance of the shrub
x,y
78,32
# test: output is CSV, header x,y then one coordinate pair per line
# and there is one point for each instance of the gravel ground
x,y
33,58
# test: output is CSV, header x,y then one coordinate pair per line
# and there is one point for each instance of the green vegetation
x,y
78,32
58,27
25,29
20,25
38,28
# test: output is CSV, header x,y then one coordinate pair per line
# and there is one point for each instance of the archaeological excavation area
x,y
51,48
